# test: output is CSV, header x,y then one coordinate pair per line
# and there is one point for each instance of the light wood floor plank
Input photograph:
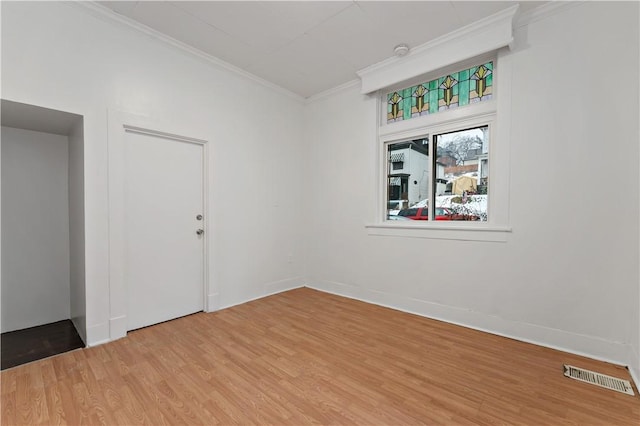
x,y
308,358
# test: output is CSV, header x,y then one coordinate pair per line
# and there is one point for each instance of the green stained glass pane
x,y
463,85
463,92
406,107
433,100
413,101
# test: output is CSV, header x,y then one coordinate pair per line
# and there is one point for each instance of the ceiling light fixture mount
x,y
401,49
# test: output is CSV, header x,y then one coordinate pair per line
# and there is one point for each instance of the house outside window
x,y
447,172
407,172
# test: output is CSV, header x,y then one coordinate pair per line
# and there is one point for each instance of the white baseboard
x,y
283,285
578,344
269,289
634,365
213,299
118,327
212,302
97,334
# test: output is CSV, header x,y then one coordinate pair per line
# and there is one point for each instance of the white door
x,y
163,204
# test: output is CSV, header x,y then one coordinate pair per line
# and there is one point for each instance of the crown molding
x,y
544,11
480,37
109,15
329,92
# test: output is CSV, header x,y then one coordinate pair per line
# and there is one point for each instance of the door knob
x,y
200,231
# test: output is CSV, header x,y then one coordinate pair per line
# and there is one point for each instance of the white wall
x,y
568,274
76,230
568,279
635,316
59,56
35,229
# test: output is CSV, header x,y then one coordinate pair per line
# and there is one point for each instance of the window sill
x,y
441,231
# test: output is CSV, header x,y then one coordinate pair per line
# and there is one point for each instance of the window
x,y
453,182
460,88
446,177
443,159
434,95
441,167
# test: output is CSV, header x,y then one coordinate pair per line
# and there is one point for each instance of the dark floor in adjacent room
x,y
22,346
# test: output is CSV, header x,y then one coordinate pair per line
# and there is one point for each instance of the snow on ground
x,y
476,204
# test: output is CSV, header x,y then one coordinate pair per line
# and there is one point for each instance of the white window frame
x,y
496,228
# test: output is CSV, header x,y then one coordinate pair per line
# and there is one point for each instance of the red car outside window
x,y
442,213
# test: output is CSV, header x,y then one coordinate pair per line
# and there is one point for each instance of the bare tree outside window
x,y
449,179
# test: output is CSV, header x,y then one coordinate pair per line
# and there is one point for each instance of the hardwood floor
x,y
30,344
306,357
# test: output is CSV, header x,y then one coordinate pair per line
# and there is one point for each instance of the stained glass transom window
x,y
460,88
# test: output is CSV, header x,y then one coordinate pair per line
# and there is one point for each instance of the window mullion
x,y
432,179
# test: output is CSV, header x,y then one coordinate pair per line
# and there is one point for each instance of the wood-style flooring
x,y
305,357
22,346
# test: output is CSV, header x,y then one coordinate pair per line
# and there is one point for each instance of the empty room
x,y
320,212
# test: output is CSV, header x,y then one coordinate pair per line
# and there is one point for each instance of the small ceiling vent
x,y
598,379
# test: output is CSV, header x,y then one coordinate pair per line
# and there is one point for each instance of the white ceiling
x,y
306,47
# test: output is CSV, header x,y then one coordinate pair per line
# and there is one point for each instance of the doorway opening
x,y
43,241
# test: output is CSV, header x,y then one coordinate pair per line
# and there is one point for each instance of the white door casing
x,y
132,137
163,252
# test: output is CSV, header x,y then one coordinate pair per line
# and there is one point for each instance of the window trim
x,y
433,130
444,232
497,228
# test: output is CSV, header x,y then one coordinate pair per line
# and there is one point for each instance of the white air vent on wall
x,y
598,379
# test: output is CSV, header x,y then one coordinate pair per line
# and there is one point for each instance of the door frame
x,y
120,123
